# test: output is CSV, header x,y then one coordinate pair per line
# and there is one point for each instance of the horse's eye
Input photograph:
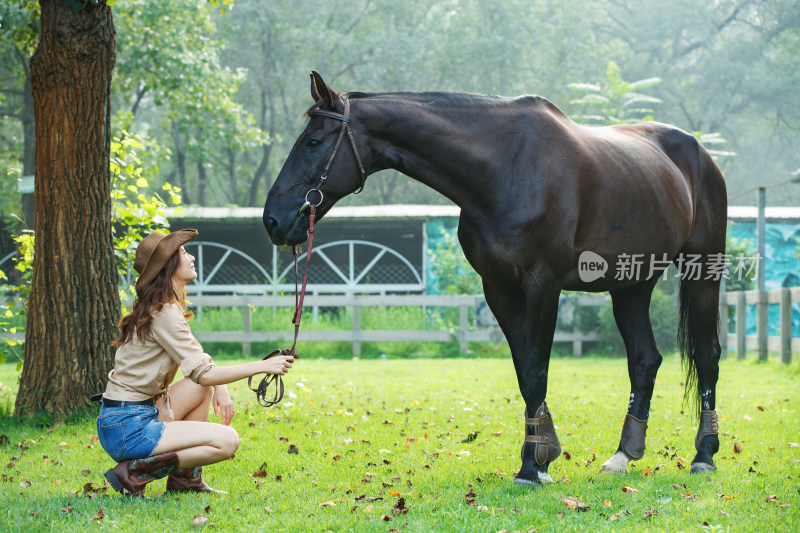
x,y
313,143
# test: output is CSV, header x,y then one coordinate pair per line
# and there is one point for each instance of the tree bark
x,y
74,304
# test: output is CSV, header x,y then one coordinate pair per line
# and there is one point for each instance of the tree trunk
x,y
201,181
74,303
180,162
257,197
232,184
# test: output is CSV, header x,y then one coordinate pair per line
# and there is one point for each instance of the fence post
x,y
247,319
762,329
463,315
723,320
786,325
357,329
577,342
741,325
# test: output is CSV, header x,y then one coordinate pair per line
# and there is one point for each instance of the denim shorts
x,y
129,431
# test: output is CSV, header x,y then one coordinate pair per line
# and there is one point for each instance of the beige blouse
x,y
143,370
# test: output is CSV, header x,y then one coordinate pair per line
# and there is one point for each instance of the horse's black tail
x,y
691,396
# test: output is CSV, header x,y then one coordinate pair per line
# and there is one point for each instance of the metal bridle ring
x,y
321,197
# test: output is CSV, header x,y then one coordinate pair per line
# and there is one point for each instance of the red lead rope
x,y
299,296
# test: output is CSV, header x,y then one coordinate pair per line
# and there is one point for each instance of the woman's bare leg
x,y
196,441
189,400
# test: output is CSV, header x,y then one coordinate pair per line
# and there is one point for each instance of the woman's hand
x,y
223,405
280,364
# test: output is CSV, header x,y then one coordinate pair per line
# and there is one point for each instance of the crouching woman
x,y
152,427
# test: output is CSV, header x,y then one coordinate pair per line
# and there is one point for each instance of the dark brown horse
x,y
546,205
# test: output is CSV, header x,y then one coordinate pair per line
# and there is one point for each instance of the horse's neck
x,y
440,145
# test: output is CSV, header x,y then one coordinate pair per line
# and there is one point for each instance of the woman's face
x,y
185,271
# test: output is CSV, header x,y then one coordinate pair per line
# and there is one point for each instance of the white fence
x,y
463,335
762,342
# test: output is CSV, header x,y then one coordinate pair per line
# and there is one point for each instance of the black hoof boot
x,y
541,447
706,443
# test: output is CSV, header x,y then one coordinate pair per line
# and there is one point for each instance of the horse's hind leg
x,y
632,314
701,350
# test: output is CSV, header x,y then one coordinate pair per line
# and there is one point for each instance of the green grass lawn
x,y
371,432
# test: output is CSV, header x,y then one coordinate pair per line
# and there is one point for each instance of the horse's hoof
x,y
612,470
543,478
618,464
702,468
529,483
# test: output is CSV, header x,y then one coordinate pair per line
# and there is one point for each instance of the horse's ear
x,y
320,91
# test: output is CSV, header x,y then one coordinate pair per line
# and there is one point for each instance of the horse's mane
x,y
458,99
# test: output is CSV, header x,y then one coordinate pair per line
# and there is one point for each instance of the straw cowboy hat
x,y
154,251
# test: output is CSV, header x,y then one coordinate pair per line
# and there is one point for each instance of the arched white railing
x,y
340,267
370,268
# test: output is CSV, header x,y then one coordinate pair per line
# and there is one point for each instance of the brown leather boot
x,y
131,477
189,480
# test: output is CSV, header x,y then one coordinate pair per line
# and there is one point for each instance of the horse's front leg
x,y
527,316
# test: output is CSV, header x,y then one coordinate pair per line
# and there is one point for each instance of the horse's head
x,y
312,173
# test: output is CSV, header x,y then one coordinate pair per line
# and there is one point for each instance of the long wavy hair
x,y
150,300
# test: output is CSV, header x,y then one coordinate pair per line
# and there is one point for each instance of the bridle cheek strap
x,y
344,118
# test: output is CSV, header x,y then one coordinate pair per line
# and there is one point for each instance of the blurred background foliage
x,y
217,95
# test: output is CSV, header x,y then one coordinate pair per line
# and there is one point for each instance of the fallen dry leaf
x,y
482,508
737,448
772,498
629,489
68,509
25,484
199,521
471,437
293,449
100,515
565,479
268,510
566,455
649,513
327,504
690,496
34,513
386,518
400,507
576,504
260,473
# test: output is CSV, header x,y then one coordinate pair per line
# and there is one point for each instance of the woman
x,y
151,426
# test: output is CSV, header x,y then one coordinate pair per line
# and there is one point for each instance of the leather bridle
x,y
344,118
270,379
